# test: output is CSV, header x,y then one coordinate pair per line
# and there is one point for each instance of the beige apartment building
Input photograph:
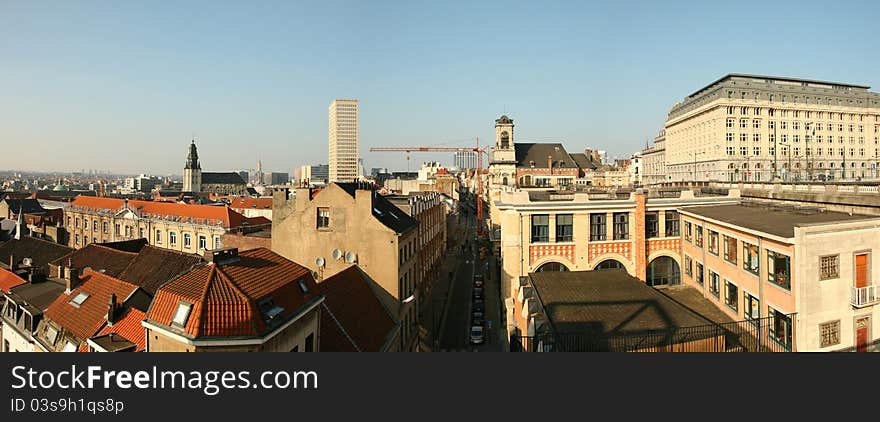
x,y
743,127
804,274
343,139
179,227
347,224
638,232
654,161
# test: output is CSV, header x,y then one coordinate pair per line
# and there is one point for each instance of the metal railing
x,y
753,335
864,296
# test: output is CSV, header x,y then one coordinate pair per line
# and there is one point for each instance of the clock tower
x,y
502,167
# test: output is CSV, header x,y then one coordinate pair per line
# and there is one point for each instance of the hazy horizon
x,y
124,87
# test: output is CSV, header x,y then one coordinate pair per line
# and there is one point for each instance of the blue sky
x,y
123,86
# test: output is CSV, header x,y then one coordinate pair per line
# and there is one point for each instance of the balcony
x,y
864,296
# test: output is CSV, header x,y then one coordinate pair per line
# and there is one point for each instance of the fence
x,y
767,334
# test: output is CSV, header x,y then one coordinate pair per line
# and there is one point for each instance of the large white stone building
x,y
757,128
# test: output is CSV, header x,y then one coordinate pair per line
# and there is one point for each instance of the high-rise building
x,y
317,174
761,128
343,140
465,159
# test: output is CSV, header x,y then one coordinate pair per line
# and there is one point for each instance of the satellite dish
x,y
320,262
350,257
337,253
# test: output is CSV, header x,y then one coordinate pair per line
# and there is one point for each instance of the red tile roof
x,y
361,315
84,321
252,203
225,297
198,214
9,280
129,327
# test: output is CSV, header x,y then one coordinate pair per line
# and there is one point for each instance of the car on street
x,y
478,305
478,280
477,334
478,292
477,319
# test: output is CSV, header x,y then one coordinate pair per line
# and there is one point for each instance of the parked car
x,y
478,292
477,319
478,280
478,305
477,334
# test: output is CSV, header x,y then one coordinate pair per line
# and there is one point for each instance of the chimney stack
x,y
11,262
111,310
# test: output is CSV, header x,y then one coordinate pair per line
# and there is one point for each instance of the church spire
x,y
192,160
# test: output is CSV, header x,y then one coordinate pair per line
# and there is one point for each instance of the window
x,y
829,267
621,226
564,224
778,271
597,227
540,228
688,235
744,123
118,230
216,243
730,122
172,238
698,236
181,315
77,238
671,223
699,274
731,295
714,284
830,333
652,224
79,299
713,242
323,218
69,347
187,240
751,259
51,334
752,309
688,266
106,227
95,225
730,249
203,243
158,237
780,328
310,343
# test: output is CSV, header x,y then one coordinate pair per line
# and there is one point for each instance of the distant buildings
x,y
757,128
654,161
465,159
343,141
196,181
273,178
180,227
314,175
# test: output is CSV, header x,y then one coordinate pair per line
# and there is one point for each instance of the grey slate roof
x,y
582,161
30,206
227,178
387,213
538,153
778,221
40,251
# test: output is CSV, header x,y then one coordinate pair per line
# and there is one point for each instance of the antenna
x,y
337,253
320,262
350,257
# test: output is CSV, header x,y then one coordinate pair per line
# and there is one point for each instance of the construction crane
x,y
477,149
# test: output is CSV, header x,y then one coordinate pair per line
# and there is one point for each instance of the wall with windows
x,y
828,270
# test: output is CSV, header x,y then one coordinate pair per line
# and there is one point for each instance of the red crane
x,y
479,170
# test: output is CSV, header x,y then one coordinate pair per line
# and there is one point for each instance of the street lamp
x,y
695,154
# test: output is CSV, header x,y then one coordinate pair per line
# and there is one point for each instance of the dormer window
x,y
69,347
181,315
79,299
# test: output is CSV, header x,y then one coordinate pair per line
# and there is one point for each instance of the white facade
x,y
343,140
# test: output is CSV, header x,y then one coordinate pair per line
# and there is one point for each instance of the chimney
x,y
70,279
550,163
11,262
111,310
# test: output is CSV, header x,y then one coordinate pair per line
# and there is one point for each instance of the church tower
x,y
503,164
192,172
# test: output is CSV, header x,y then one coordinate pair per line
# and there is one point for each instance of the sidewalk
x,y
432,310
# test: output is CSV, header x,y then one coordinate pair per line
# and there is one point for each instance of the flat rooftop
x,y
608,303
774,219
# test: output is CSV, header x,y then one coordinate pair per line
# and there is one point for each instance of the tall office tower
x,y
343,140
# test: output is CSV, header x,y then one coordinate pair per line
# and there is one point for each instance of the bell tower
x,y
192,171
502,167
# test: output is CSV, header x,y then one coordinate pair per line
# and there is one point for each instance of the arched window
x,y
662,271
552,267
505,140
610,264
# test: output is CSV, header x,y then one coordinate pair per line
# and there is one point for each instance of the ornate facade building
x,y
224,183
761,128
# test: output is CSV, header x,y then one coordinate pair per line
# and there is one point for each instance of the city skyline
x,y
584,75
